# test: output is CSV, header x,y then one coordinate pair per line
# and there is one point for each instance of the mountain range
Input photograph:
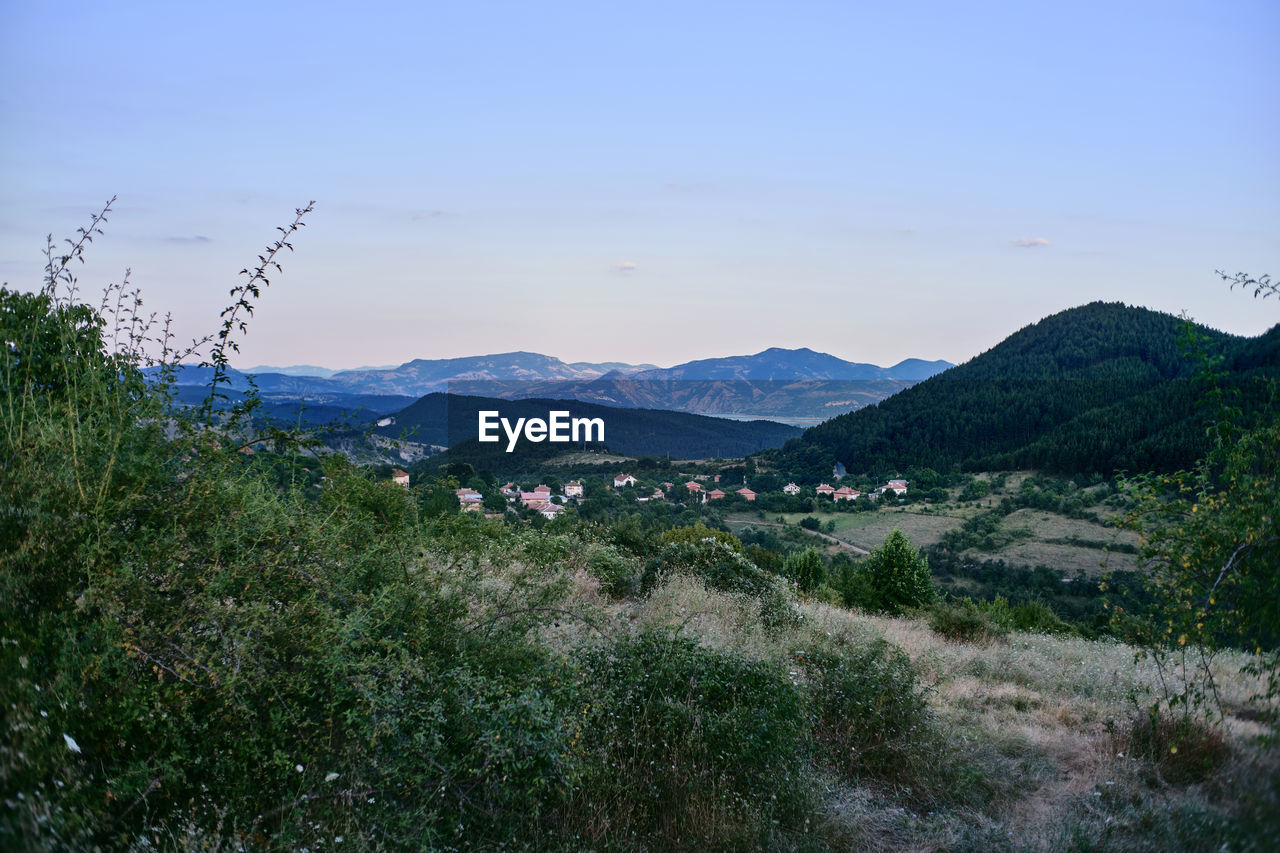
x,y
798,385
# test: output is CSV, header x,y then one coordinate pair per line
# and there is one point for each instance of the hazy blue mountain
x,y
780,364
799,386
311,369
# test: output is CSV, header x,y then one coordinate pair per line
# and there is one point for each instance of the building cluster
x,y
542,501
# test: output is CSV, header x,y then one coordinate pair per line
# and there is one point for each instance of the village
x,y
543,501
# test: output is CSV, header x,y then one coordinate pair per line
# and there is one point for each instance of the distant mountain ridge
x,y
798,385
779,364
1098,388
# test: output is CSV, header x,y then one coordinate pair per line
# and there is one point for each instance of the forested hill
x,y
1098,388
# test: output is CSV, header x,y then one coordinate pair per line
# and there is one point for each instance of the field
x,y
1063,544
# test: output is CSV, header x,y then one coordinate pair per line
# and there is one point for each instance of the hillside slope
x,y
1092,389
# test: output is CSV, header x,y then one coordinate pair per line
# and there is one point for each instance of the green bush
x,y
617,573
870,713
805,568
718,565
687,746
964,621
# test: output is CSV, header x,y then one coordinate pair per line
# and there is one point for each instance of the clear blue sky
x,y
649,181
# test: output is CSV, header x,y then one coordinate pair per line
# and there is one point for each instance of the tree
x,y
898,574
806,569
1211,547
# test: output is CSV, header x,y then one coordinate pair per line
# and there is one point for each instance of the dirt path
x,y
827,536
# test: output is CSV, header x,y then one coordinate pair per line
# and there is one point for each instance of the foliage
x,y
686,743
719,565
1211,546
698,533
898,575
870,714
965,621
806,569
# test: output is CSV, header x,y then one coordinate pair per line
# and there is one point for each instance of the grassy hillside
x,y
202,648
1099,388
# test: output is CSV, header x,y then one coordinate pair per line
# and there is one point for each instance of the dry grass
x,y
1032,721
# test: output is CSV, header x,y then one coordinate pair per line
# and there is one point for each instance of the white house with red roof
x,y
791,489
398,476
747,493
844,493
824,489
693,486
623,480
715,494
573,489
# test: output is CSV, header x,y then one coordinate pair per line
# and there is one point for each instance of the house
x,y
715,494
550,510
824,489
668,486
747,493
511,490
470,500
540,489
573,489
898,486
659,495
534,498
693,487
791,489
400,478
623,480
844,493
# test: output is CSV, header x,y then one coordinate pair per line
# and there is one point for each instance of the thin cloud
x,y
625,266
198,238
1030,242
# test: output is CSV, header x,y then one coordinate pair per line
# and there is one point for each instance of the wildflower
x,y
329,777
298,767
71,743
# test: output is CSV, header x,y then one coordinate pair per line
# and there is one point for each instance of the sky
x,y
647,182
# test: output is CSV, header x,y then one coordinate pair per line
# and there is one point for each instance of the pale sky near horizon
x,y
649,182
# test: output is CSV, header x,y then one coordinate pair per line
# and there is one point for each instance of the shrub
x,y
684,745
1183,748
964,621
870,713
805,568
617,574
718,565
